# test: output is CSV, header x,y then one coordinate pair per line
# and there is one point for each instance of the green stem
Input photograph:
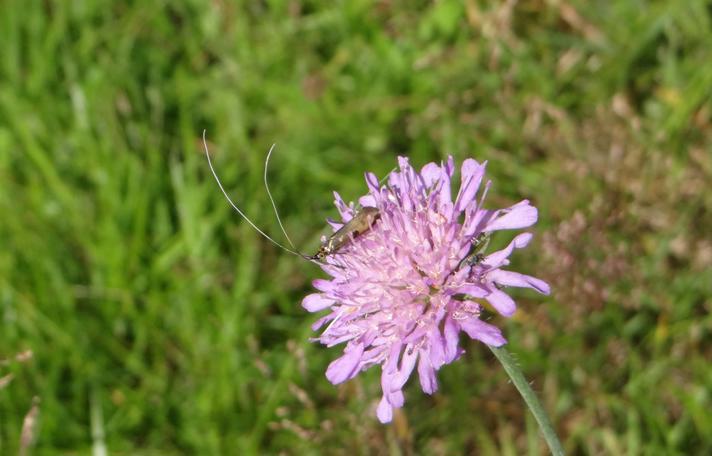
x,y
515,373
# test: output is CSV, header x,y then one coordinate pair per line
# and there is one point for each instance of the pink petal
x,y
497,258
444,191
367,201
395,180
476,219
334,224
416,335
343,208
502,302
470,177
484,332
522,240
396,399
521,215
322,321
384,411
426,375
344,368
476,291
404,164
391,364
437,348
449,166
410,356
430,173
316,302
325,285
450,331
515,279
372,182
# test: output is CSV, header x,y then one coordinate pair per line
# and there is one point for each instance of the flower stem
x,y
515,373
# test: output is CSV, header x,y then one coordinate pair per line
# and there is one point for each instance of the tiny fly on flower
x,y
361,222
479,245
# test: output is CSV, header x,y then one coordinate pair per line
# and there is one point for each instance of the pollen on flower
x,y
401,292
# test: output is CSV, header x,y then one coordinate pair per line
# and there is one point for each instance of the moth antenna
x,y
242,214
383,179
274,206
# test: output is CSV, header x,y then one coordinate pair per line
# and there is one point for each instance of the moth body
x,y
359,224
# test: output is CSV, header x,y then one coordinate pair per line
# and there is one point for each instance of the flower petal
x,y
384,411
335,225
322,321
344,210
484,332
445,191
476,220
470,177
316,302
344,368
515,279
395,180
437,348
474,290
426,375
449,166
502,302
521,215
497,259
396,399
367,201
325,285
450,331
372,183
431,174
410,356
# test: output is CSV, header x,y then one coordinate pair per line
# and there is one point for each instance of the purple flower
x,y
401,292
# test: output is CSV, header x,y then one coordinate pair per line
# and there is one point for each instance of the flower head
x,y
401,292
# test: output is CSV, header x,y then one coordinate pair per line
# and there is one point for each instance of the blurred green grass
x,y
160,323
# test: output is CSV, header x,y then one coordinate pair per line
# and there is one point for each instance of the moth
x,y
361,222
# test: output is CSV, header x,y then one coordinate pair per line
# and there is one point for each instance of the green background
x,y
161,323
